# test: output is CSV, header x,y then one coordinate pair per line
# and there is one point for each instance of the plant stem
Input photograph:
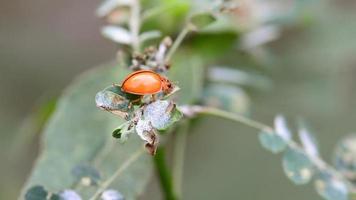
x,y
164,174
233,117
177,42
117,173
135,24
201,110
178,156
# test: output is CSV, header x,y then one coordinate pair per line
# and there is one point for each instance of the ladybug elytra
x,y
145,82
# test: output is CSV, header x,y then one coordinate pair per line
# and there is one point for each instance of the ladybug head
x,y
167,86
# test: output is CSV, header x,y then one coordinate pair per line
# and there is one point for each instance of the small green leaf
x,y
162,114
297,166
149,35
345,157
231,75
117,34
86,174
272,142
281,127
202,20
110,5
226,97
330,187
308,140
122,132
36,193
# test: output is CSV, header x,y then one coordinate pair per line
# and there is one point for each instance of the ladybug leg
x,y
153,97
170,107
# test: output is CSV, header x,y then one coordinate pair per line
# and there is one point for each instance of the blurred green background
x,y
45,44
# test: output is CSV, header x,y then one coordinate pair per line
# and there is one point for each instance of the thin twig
x,y
234,117
201,110
135,23
177,42
117,173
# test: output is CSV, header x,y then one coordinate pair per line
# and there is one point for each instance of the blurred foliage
x,y
315,70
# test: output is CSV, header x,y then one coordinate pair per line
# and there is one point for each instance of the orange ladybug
x,y
146,82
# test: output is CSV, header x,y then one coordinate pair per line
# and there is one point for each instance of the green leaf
x,y
308,140
272,142
117,34
282,129
331,187
77,133
345,157
112,101
36,193
297,166
202,20
226,97
188,72
122,132
162,114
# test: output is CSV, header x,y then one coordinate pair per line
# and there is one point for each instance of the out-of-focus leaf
x,y
226,97
223,74
202,20
308,141
164,15
78,131
149,35
69,195
297,166
259,37
345,157
111,195
117,34
188,73
86,172
211,46
330,187
272,141
110,5
36,193
281,127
